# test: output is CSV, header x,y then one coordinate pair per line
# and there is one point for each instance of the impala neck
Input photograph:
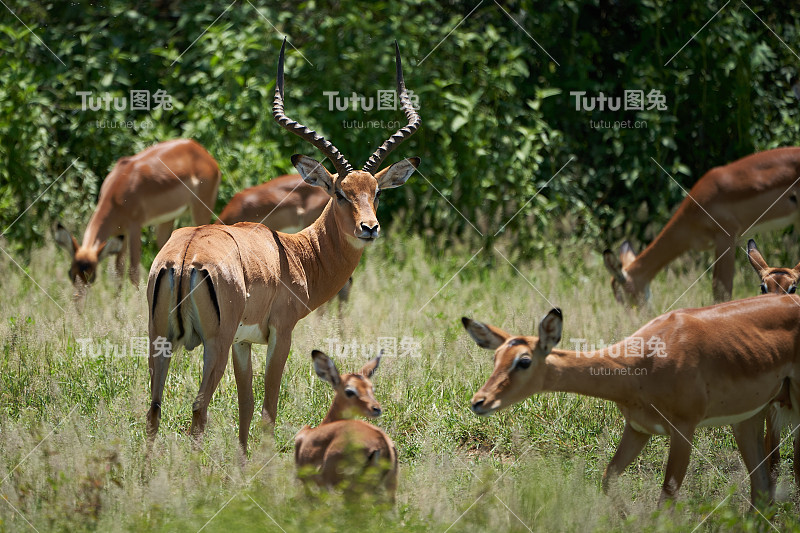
x,y
594,373
337,411
668,244
103,225
327,256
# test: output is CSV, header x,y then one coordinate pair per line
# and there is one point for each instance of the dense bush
x,y
498,119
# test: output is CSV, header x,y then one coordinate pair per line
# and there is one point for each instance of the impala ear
x,y
111,247
369,369
484,335
755,257
325,369
65,240
627,255
613,265
313,172
550,330
397,174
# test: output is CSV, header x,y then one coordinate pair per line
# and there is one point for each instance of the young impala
x,y
777,280
286,203
689,368
756,193
224,286
151,188
339,444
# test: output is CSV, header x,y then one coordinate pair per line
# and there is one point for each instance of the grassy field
x,y
72,451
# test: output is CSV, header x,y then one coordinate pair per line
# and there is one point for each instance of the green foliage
x,y
498,118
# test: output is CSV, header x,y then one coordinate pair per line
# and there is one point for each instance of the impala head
x,y
354,392
774,280
625,290
85,259
355,192
518,362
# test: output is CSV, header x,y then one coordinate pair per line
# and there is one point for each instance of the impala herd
x,y
241,282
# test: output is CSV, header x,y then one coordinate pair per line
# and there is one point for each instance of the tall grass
x,y
72,450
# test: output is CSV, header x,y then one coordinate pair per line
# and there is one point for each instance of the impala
x,y
224,286
286,203
151,188
340,442
756,193
689,368
777,280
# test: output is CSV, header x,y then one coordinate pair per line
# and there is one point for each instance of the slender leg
x,y
772,441
724,269
796,458
274,372
159,366
163,231
749,439
119,263
630,445
680,448
135,249
243,370
215,359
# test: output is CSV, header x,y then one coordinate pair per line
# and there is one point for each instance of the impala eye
x,y
763,288
524,362
378,194
792,289
349,393
340,196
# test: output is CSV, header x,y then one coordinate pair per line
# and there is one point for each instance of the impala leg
x,y
772,441
159,366
749,439
243,370
215,359
796,458
680,449
276,360
135,250
163,231
203,206
628,449
724,268
119,262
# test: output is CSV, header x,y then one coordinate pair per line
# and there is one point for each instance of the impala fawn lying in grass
x,y
345,452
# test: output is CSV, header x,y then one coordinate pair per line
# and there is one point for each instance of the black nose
x,y
376,411
370,230
477,405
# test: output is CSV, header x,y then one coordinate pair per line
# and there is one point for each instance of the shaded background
x,y
498,120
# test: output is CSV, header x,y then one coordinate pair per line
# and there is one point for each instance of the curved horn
x,y
403,133
328,150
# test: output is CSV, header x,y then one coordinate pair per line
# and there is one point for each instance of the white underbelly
x,y
166,217
657,429
249,333
765,226
728,420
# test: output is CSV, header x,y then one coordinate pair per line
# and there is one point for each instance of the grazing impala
x,y
340,442
151,188
777,280
224,286
756,193
286,203
689,368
